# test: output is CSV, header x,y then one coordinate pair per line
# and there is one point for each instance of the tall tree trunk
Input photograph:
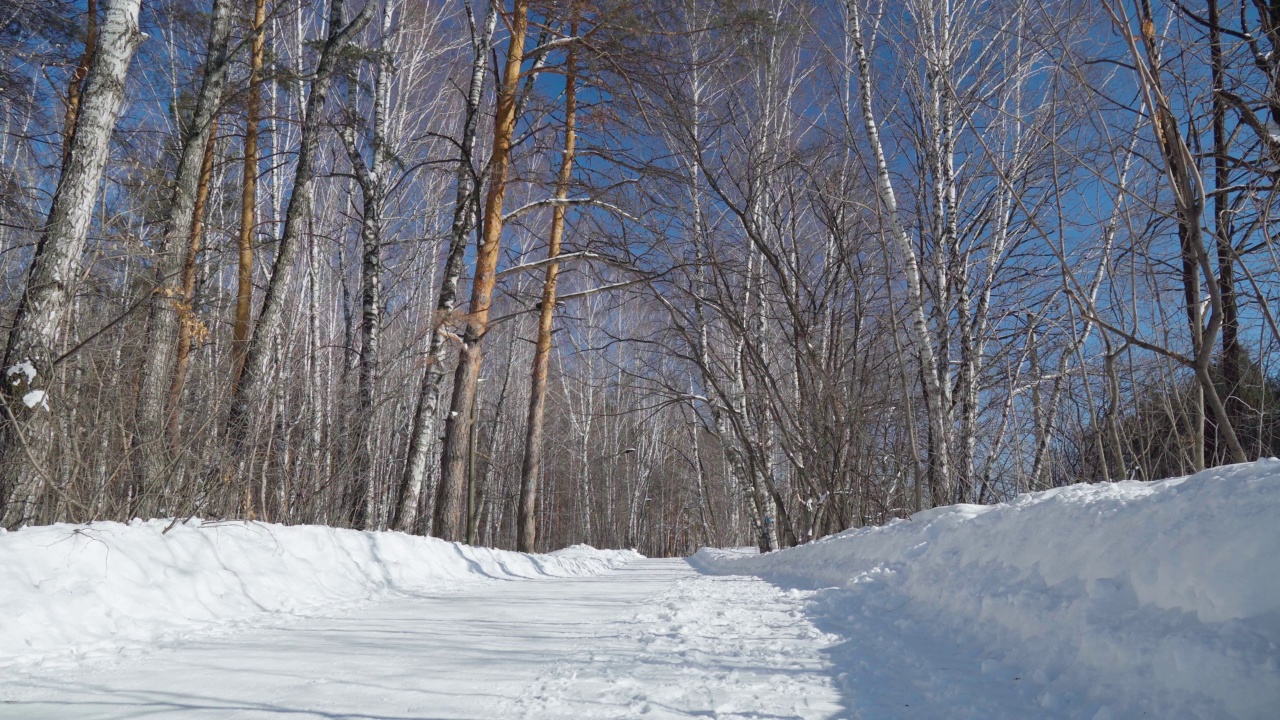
x,y
25,446
1232,356
248,196
163,311
1189,197
1195,328
465,207
75,86
189,328
246,394
371,176
527,530
367,377
451,495
938,412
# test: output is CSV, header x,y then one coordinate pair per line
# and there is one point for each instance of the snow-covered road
x,y
1100,602
653,639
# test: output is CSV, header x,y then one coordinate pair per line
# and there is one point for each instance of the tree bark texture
x,y
191,330
372,178
248,196
449,522
465,207
166,305
75,86
527,530
1232,354
1189,198
939,432
24,447
248,395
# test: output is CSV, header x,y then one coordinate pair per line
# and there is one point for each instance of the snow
x,y
34,398
1105,602
1089,601
649,639
725,647
76,591
24,368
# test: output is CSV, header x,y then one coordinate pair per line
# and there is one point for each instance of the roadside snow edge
x,y
73,591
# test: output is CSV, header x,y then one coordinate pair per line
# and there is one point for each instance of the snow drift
x,y
1121,600
71,591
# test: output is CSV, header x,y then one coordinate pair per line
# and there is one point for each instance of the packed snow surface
x,y
71,591
652,639
1090,601
1130,600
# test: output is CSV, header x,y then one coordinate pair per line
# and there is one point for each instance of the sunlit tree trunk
x,y
466,206
451,496
75,86
248,195
1232,354
28,364
163,318
1189,199
527,531
247,395
372,178
938,412
190,329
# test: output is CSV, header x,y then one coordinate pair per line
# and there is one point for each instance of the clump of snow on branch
x,y
36,397
23,368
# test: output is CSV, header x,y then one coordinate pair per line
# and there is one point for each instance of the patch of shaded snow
x,y
1113,600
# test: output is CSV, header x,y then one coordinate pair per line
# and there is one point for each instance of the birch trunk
x,y
246,394
371,177
189,329
163,312
25,446
451,496
466,205
939,432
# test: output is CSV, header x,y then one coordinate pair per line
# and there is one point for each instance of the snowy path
x,y
1093,602
653,639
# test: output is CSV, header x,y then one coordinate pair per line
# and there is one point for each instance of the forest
x,y
659,274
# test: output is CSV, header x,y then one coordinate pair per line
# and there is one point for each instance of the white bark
x,y
170,254
258,357
466,206
940,432
26,440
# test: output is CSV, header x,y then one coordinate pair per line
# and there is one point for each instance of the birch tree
x,y
246,394
465,218
29,355
449,522
165,314
371,175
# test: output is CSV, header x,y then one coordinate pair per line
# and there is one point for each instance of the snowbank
x,y
1122,600
69,591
